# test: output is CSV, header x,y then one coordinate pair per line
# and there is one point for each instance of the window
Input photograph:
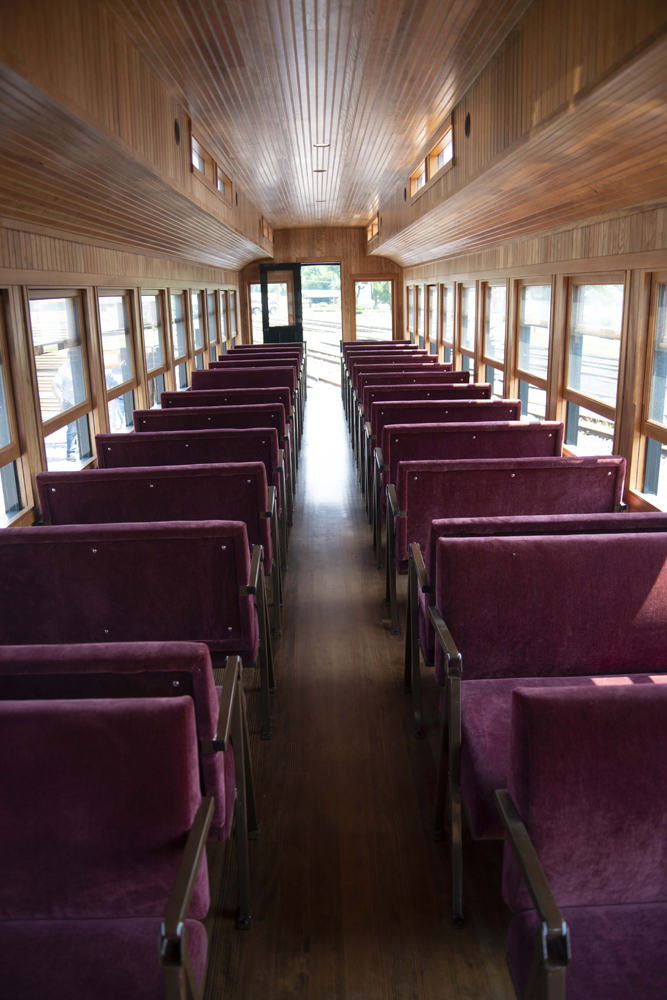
x,y
267,231
467,337
419,295
178,333
223,184
432,292
181,375
56,323
156,387
10,493
448,321
533,348
373,229
373,314
418,179
495,377
655,426
533,401
151,313
441,154
411,313
222,299
121,410
256,312
232,316
594,346
119,378
197,320
212,326
202,161
494,335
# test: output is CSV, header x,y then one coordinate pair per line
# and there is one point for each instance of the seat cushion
x,y
618,952
81,959
486,716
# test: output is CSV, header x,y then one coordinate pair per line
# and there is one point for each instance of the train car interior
x,y
333,499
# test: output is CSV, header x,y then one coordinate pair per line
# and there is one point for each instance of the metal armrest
x,y
555,934
280,467
367,428
255,566
184,883
444,637
379,462
272,499
224,724
420,568
392,502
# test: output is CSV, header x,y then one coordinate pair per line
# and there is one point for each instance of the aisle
x,y
351,891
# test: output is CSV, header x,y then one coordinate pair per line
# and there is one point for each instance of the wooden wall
x,y
88,142
562,128
330,245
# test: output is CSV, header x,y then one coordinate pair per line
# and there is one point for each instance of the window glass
x,y
411,308
448,355
448,314
445,154
466,363
496,302
373,315
468,319
120,413
232,313
655,471
116,342
433,313
5,430
155,389
182,376
595,341
419,292
69,447
223,316
533,401
256,312
10,494
199,361
56,339
418,179
534,329
152,321
212,328
590,433
495,377
197,321
178,326
658,401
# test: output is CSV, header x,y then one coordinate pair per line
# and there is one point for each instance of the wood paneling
x,y
266,80
565,125
330,245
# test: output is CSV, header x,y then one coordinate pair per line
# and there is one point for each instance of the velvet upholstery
x,y
171,580
244,378
587,770
618,952
207,447
428,411
257,361
381,362
551,605
435,391
81,959
130,670
101,794
486,715
234,492
429,376
402,367
490,439
227,397
195,418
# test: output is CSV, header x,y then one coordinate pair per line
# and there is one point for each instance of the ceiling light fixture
x,y
320,145
319,170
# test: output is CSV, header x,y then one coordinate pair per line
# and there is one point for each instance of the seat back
x,y
428,363
191,418
206,447
227,397
128,670
255,362
427,391
492,439
534,606
101,795
242,377
172,580
430,374
588,775
425,411
234,492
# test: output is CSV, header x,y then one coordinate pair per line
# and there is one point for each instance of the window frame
x,y
430,338
427,166
649,428
133,383
196,351
215,342
461,351
178,360
410,308
520,374
151,373
232,315
487,359
10,452
445,344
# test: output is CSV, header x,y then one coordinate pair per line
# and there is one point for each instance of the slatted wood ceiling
x,y
265,80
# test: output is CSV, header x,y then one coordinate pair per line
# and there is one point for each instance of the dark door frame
x,y
281,334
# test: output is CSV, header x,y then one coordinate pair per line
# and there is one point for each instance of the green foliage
x,y
320,276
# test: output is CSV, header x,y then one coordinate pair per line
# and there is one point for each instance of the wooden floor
x,y
350,890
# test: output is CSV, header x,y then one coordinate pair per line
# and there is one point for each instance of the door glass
x,y
281,298
374,312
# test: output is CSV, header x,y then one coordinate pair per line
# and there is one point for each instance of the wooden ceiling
x,y
602,157
264,80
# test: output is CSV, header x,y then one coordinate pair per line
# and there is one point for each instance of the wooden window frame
x,y
427,166
420,171
215,342
373,228
648,427
226,195
196,351
393,281
267,230
486,360
12,451
223,316
519,374
209,171
444,287
461,351
178,360
163,369
133,383
429,337
232,315
410,299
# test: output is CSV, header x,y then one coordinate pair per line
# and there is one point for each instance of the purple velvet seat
x,y
497,625
587,780
234,492
430,492
171,580
429,391
228,397
102,795
207,447
245,377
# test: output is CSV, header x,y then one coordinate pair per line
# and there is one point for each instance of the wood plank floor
x,y
350,890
